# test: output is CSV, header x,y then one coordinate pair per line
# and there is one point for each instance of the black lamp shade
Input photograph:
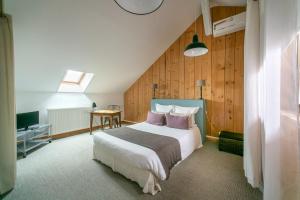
x,y
94,105
196,48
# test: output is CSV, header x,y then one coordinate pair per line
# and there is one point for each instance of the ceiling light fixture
x,y
139,7
195,48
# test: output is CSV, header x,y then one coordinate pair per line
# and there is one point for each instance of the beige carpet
x,y
64,170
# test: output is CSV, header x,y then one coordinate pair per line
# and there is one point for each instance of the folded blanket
x,y
166,148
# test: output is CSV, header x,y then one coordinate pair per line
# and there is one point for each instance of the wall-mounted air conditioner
x,y
229,25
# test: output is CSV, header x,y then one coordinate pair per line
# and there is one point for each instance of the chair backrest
x,y
114,107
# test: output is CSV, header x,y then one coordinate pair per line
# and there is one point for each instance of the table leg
x,y
91,123
110,121
120,121
101,122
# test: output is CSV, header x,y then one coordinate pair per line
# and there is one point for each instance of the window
x,y
75,81
73,77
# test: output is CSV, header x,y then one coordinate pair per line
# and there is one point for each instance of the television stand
x,y
33,137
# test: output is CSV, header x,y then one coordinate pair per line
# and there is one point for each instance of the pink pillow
x,y
179,122
185,115
156,119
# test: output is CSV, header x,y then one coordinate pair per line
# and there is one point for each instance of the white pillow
x,y
164,108
158,112
191,118
185,110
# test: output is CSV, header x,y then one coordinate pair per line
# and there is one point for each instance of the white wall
x,y
52,36
41,101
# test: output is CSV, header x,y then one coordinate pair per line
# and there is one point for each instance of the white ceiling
x,y
51,36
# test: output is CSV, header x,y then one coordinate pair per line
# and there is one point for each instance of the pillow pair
x,y
171,120
159,117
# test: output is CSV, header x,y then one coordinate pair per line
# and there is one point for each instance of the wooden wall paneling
x,y
199,59
229,81
238,107
128,113
127,104
220,12
145,90
218,66
145,97
172,70
239,10
222,68
131,97
141,96
181,70
206,74
189,67
135,116
162,76
155,77
149,92
218,73
218,62
175,55
168,73
229,78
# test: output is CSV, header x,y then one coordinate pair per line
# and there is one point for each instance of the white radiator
x,y
69,119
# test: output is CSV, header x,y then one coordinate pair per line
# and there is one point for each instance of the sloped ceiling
x,y
51,36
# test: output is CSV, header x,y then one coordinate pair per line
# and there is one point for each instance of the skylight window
x,y
75,81
73,77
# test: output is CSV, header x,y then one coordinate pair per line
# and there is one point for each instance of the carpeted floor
x,y
64,170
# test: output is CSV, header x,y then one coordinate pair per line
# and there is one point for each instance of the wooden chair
x,y
116,121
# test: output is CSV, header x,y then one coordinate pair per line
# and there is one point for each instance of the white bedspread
x,y
114,151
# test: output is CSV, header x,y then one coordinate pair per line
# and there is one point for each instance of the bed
x,y
141,164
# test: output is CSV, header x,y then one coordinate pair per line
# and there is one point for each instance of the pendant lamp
x,y
139,7
196,48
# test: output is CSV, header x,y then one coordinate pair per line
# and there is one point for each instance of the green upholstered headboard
x,y
199,117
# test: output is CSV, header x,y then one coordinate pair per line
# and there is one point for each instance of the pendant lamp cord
x,y
195,19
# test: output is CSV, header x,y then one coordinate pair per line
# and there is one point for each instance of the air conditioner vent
x,y
229,25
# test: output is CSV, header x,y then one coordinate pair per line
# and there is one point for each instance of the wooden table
x,y
104,113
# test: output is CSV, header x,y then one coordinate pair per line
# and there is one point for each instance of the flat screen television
x,y
24,120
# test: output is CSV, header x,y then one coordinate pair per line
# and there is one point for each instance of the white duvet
x,y
123,156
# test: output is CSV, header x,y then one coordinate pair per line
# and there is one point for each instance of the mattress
x,y
139,163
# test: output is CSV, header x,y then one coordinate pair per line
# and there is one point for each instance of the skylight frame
x,y
77,86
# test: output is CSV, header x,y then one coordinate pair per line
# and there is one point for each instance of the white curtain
x,y
271,99
281,146
7,108
252,119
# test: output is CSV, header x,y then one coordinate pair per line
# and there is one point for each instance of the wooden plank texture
x,y
222,68
229,78
189,67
